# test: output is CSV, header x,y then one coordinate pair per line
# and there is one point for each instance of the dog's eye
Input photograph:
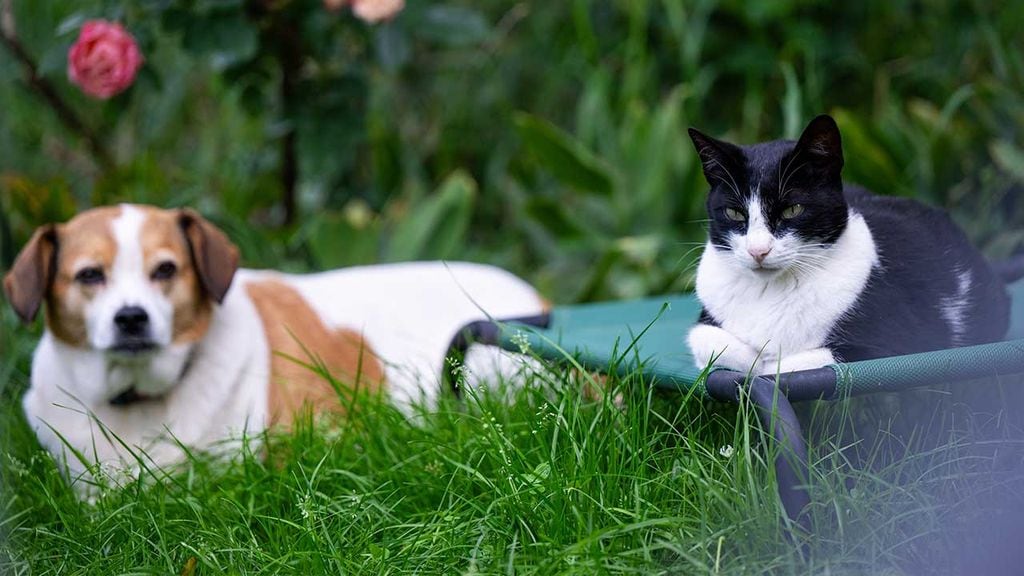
x,y
164,271
90,276
735,215
792,211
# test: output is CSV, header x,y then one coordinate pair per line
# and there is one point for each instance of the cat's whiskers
x,y
804,269
815,249
819,264
812,257
687,254
806,259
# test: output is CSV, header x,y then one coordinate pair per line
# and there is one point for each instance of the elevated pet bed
x,y
649,336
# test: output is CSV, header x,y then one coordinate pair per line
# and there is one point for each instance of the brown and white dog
x,y
154,337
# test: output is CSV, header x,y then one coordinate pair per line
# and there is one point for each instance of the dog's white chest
x,y
790,313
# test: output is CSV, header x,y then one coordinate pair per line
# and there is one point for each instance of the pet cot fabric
x,y
649,335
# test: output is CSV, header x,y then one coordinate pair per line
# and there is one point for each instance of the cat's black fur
x,y
899,311
808,172
920,249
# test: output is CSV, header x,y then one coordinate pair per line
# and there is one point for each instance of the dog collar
x,y
132,395
129,396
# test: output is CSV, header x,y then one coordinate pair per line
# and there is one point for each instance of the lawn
x,y
539,479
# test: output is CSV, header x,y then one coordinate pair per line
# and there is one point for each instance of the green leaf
x,y
206,5
874,167
600,272
1009,158
54,60
227,38
538,475
662,149
953,104
392,46
454,25
342,239
435,226
792,103
594,113
563,156
555,218
73,23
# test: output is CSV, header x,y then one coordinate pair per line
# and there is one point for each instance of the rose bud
x,y
104,60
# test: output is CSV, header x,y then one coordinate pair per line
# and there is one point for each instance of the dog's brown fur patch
x,y
87,237
294,333
162,240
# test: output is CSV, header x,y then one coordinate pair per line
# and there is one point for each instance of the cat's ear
x,y
822,144
717,158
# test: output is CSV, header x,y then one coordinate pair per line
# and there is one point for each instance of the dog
x,y
156,341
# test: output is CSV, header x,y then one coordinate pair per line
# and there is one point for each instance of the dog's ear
x,y
26,284
213,255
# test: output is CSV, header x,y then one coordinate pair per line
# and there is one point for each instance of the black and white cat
x,y
800,271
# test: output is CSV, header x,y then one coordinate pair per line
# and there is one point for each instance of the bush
x,y
545,137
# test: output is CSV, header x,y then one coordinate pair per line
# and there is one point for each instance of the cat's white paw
x,y
709,343
806,360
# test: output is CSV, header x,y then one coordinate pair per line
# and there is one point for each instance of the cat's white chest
x,y
789,313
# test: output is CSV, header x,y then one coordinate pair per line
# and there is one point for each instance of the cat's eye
x,y
793,211
90,276
164,271
735,215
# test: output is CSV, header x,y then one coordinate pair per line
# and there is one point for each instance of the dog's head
x,y
125,280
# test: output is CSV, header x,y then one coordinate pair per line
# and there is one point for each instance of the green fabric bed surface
x,y
602,335
652,332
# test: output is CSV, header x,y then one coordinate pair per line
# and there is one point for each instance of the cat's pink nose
x,y
758,253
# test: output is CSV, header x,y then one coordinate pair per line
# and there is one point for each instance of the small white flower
x,y
726,451
522,341
305,505
17,465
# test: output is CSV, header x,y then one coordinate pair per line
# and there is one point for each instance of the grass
x,y
541,480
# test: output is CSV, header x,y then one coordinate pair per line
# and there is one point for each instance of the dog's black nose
x,y
132,321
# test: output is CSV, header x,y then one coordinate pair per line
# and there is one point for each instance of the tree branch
x,y
290,59
48,93
279,31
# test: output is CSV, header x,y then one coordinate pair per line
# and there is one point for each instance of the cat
x,y
801,271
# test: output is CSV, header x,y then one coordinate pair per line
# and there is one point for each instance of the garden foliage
x,y
544,136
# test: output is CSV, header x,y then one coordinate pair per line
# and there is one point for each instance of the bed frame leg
x,y
778,418
791,472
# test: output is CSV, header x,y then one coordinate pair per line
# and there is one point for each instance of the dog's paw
x,y
713,344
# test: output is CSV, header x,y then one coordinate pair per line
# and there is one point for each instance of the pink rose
x,y
104,60
374,11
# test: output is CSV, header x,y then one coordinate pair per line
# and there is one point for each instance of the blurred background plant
x,y
547,137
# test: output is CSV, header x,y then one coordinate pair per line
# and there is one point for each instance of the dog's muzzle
x,y
133,331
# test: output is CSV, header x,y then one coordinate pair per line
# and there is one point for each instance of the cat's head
x,y
775,206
